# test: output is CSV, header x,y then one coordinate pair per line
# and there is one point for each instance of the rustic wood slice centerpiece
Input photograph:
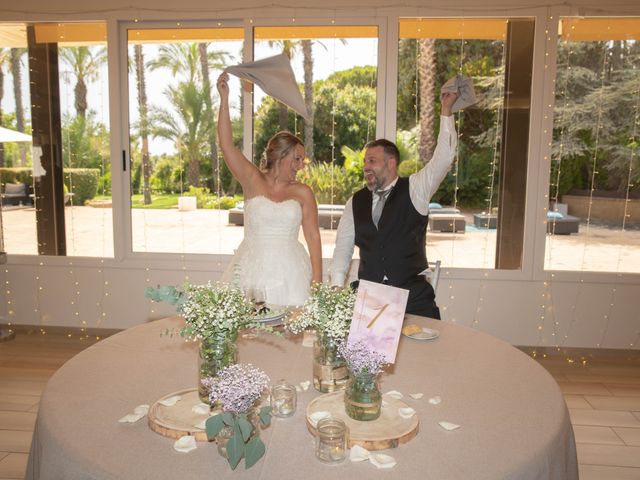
x,y
179,419
388,431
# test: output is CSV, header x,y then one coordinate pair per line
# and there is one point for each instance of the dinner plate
x,y
425,334
273,317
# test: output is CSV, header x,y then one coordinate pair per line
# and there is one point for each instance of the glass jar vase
x,y
215,353
283,399
362,397
329,368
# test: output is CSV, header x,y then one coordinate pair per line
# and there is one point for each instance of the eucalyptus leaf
x,y
214,425
253,452
235,450
245,427
265,415
228,419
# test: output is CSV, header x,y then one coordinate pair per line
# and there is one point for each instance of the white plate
x,y
425,334
274,316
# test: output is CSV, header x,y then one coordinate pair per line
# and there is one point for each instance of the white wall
x,y
525,307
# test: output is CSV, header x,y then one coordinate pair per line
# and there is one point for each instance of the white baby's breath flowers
x,y
328,311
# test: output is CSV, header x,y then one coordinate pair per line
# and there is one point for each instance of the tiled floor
x,y
602,391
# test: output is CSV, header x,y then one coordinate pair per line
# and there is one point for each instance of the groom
x,y
388,218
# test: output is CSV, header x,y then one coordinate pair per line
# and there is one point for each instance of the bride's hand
x,y
223,85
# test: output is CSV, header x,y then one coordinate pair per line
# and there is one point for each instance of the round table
x,y
514,421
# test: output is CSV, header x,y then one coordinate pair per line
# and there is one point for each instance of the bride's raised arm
x,y
242,169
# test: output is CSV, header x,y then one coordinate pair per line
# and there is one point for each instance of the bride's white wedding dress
x,y
271,259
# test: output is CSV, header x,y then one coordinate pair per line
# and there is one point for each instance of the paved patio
x,y
90,232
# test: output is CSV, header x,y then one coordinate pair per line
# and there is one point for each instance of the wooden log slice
x,y
387,431
179,419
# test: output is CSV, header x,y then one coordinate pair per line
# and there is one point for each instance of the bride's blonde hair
x,y
278,147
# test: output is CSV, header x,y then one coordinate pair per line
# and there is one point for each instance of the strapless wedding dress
x,y
271,260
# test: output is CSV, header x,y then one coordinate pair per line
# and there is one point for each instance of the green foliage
x,y
244,441
201,194
348,97
473,181
223,203
85,142
353,160
331,183
596,107
16,175
82,182
409,167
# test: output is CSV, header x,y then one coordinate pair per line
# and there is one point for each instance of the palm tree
x,y
4,58
188,127
206,87
427,79
143,111
85,63
16,64
194,61
308,96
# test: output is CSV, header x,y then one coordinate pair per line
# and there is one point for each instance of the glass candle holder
x,y
332,439
283,399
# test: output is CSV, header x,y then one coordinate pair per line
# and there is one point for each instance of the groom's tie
x,y
382,198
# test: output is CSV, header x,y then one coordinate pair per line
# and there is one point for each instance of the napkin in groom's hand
x,y
275,76
463,86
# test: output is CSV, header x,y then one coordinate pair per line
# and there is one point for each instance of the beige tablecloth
x,y
515,423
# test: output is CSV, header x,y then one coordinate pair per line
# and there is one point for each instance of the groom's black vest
x,y
397,247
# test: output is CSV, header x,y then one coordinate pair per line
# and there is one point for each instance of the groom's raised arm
x,y
345,244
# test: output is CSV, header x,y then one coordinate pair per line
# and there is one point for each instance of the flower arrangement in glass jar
x,y
329,311
237,389
362,397
213,314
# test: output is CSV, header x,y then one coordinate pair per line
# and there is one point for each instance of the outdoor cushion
x,y
15,189
556,215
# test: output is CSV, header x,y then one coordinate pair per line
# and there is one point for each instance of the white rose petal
x,y
406,412
305,385
315,417
394,394
358,454
448,425
131,418
435,400
201,409
141,409
185,444
298,389
201,425
416,396
171,401
382,460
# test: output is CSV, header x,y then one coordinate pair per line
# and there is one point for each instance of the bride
x,y
271,263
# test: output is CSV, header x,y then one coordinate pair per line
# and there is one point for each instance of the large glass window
x,y
477,218
180,189
61,71
593,220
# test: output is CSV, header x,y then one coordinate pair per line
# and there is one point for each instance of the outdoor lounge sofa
x,y
565,225
328,215
16,194
446,219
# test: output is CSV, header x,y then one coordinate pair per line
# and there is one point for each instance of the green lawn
x,y
169,200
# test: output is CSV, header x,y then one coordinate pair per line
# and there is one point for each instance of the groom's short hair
x,y
390,149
